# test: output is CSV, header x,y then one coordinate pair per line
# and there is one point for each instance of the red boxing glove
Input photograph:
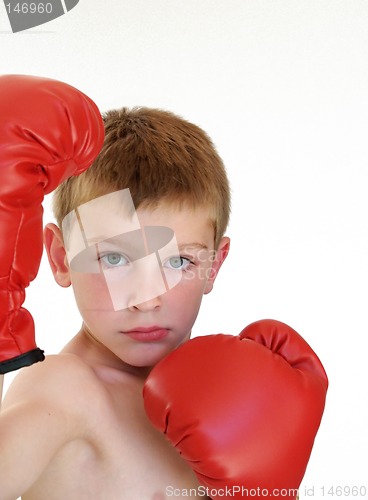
x,y
243,411
49,131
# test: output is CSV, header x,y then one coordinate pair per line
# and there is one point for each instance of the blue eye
x,y
178,263
114,260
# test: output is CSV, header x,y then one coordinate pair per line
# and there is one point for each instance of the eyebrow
x,y
101,239
193,245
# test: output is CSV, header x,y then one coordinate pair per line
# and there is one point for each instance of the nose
x,y
140,285
147,306
146,285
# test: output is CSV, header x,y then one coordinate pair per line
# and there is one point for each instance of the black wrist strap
x,y
25,359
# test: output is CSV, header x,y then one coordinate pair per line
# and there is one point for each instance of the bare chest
x,y
121,457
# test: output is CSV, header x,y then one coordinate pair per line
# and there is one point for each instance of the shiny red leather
x,y
49,131
243,411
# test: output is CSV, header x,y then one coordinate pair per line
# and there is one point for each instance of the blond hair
x,y
160,157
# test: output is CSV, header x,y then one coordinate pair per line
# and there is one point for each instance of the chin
x,y
148,357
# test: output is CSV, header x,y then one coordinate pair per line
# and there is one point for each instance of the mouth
x,y
147,334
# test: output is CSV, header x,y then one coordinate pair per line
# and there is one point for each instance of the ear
x,y
219,257
54,244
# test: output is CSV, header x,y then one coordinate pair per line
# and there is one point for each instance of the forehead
x,y
103,217
114,214
183,220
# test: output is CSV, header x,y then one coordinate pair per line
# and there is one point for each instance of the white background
x,y
282,88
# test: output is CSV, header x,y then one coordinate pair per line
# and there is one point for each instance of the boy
x,y
140,237
79,415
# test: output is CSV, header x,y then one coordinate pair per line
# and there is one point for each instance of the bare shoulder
x,y
62,380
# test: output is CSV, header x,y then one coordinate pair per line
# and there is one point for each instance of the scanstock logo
x,y
24,15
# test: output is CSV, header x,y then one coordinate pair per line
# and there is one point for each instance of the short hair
x,y
160,157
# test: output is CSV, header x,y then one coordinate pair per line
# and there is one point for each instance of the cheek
x,y
91,292
185,298
195,280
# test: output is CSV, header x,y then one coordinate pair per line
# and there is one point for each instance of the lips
x,y
147,334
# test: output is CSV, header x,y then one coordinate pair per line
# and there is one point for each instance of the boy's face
x,y
140,284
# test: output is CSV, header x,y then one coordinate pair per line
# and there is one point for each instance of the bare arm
x,y
42,411
30,435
